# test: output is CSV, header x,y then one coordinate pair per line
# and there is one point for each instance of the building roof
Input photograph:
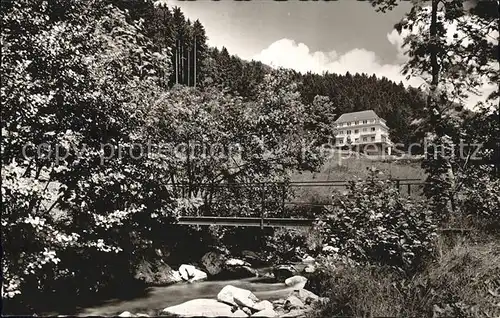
x,y
357,116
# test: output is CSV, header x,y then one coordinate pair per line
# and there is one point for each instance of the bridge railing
x,y
272,199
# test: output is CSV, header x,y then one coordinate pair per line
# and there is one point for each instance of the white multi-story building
x,y
364,131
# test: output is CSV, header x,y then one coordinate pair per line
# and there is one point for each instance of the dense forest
x,y
196,64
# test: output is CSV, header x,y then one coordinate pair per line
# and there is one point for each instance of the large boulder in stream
x,y
213,262
284,271
306,296
156,273
235,296
266,313
191,274
255,259
235,268
203,308
299,281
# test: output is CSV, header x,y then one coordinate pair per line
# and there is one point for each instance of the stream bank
x,y
157,298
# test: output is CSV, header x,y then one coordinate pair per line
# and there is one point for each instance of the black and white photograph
x,y
250,158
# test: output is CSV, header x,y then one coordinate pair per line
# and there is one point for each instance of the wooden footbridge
x,y
403,185
245,221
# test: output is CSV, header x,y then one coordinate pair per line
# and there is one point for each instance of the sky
x,y
318,36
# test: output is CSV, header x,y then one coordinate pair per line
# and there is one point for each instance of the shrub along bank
x,y
389,258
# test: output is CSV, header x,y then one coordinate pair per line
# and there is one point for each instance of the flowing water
x,y
157,298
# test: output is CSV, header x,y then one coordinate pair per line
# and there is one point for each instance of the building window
x,y
373,129
349,124
365,139
365,121
341,132
356,123
384,138
365,130
348,132
373,138
340,141
356,131
356,140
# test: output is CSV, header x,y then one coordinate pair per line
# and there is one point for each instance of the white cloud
x,y
289,54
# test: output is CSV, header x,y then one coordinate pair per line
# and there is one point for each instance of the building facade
x,y
364,131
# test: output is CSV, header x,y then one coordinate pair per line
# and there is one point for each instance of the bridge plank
x,y
244,221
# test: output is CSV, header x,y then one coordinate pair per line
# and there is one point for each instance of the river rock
x,y
263,305
213,262
247,311
253,258
235,268
299,281
293,302
282,272
126,314
269,312
191,273
200,308
244,303
310,268
141,315
306,296
235,272
295,313
237,296
241,313
308,260
156,273
236,262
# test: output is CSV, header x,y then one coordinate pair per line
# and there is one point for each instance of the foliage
x,y
469,156
76,76
480,203
454,49
285,245
373,224
214,139
469,34
89,83
464,282
357,292
398,105
325,96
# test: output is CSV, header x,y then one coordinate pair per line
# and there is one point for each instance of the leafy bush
x,y
373,224
480,203
356,291
288,244
464,282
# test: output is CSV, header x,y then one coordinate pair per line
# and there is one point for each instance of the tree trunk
x,y
194,62
177,62
436,111
188,69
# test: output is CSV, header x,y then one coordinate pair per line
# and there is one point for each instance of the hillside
x,y
194,63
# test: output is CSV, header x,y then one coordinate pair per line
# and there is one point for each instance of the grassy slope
x,y
345,167
463,281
